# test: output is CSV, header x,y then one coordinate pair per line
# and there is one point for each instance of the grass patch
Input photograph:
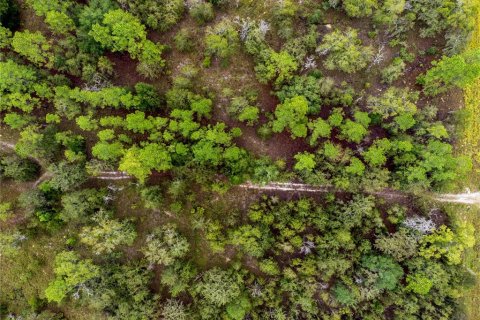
x,y
469,143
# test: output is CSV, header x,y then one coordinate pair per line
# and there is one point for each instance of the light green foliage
x,y
52,118
33,46
419,284
70,271
393,102
36,143
353,131
87,123
438,131
292,114
222,40
120,31
238,309
6,210
138,123
269,267
165,245
5,37
458,71
59,22
201,106
277,66
249,115
42,7
108,151
345,51
305,162
320,129
356,167
439,16
445,243
404,121
150,60
218,287
140,162
107,234
359,8
376,155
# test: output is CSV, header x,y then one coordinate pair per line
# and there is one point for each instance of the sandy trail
x,y
462,198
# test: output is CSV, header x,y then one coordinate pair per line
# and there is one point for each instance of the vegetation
x,y
149,149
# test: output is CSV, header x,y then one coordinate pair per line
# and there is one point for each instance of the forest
x,y
239,159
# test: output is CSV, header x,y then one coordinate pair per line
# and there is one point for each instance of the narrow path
x,y
465,198
462,198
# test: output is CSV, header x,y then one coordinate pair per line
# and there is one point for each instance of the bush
x,y
184,40
393,71
202,12
14,167
344,51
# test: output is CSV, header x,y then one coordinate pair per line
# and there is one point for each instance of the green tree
x,y
174,310
202,12
305,162
108,151
218,287
345,51
79,205
222,40
59,22
394,102
33,46
401,245
67,176
292,114
418,283
14,167
388,272
353,131
320,129
278,66
359,8
120,31
157,14
70,271
458,71
165,245
140,162
107,234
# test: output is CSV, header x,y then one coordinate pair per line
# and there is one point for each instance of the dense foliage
x,y
135,137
